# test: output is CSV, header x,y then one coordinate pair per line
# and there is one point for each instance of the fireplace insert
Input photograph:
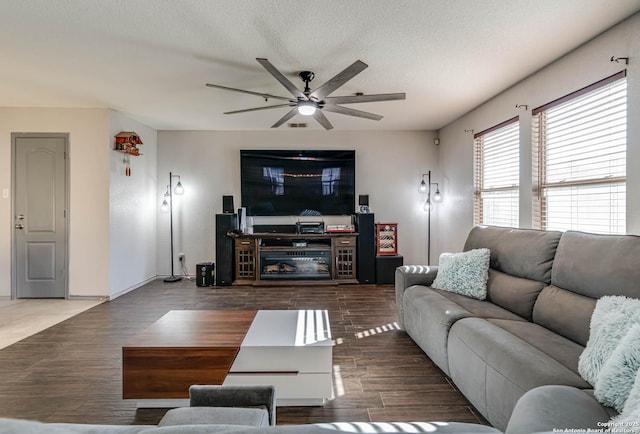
x,y
295,264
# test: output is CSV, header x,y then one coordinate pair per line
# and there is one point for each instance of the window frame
x,y
540,158
479,175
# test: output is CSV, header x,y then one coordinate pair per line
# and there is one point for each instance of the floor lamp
x,y
425,187
167,203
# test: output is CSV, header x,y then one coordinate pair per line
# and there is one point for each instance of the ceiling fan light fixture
x,y
306,108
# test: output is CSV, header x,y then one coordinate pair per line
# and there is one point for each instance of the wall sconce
x,y
425,187
167,203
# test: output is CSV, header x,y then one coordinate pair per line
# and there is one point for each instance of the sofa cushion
x,y
238,429
215,415
427,319
559,348
526,253
479,308
597,265
564,312
18,426
493,367
429,314
515,294
464,273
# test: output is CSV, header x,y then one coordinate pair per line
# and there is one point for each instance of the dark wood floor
x,y
72,372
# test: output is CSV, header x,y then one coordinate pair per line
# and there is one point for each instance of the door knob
x,y
19,226
20,216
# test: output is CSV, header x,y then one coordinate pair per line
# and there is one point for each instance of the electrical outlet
x,y
180,256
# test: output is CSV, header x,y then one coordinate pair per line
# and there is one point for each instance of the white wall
x,y
88,161
584,66
389,165
132,209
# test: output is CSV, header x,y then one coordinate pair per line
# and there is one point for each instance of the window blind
x,y
497,175
580,159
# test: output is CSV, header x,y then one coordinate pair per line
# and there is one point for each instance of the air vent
x,y
297,125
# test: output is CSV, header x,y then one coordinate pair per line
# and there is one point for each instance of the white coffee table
x,y
290,349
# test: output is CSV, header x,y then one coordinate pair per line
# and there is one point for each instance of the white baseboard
x,y
131,288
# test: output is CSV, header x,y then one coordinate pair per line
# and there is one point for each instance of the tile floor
x,y
22,318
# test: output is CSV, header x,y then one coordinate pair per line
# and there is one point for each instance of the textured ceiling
x,y
151,58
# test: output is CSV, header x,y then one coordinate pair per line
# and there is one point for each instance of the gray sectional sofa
x,y
534,323
542,409
234,410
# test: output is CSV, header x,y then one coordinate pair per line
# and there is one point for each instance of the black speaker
x,y
224,248
365,248
363,202
205,274
227,204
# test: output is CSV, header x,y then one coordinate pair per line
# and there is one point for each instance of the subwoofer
x,y
386,268
224,248
365,248
204,274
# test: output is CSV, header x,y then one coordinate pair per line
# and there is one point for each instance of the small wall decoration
x,y
387,238
127,142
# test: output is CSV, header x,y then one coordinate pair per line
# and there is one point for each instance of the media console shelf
x,y
282,258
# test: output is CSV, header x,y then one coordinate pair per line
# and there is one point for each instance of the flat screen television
x,y
299,183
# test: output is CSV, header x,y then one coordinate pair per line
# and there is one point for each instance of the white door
x,y
40,215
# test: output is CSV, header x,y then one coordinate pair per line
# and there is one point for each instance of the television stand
x,y
285,259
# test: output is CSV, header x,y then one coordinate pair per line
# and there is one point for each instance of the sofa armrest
x,y
546,408
234,396
409,275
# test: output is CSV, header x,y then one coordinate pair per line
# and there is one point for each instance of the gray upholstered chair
x,y
229,405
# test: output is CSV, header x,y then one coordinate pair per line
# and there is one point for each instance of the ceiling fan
x,y
313,103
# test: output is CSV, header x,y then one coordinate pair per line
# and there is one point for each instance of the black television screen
x,y
288,182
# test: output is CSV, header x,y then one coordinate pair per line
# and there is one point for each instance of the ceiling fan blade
x,y
281,78
353,99
341,78
322,120
291,113
257,108
263,95
352,112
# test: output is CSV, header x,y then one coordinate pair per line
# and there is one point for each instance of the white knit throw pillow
x,y
464,273
618,373
611,320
